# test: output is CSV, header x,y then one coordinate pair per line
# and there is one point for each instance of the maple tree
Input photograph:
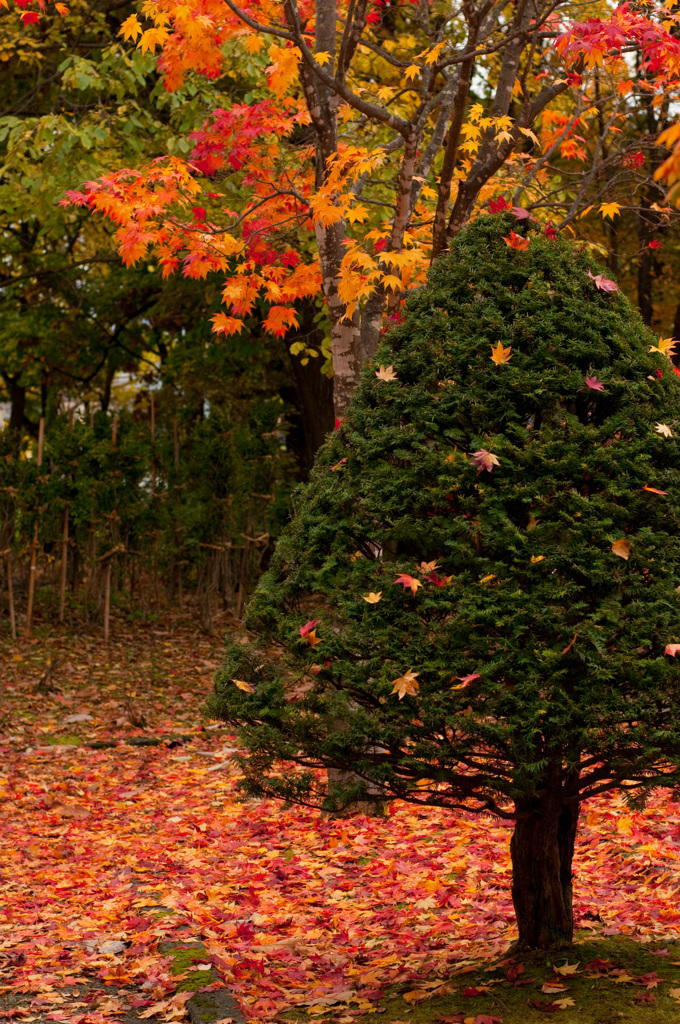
x,y
531,676
374,134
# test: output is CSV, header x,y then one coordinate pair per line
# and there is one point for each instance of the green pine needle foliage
x,y
566,637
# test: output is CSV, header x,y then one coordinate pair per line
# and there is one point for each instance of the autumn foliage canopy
x,y
479,583
372,133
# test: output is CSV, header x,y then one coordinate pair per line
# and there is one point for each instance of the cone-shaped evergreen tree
x,y
491,549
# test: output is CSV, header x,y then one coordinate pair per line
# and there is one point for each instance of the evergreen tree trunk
x,y
542,850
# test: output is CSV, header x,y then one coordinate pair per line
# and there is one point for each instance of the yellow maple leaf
x,y
529,134
386,373
433,56
664,430
406,684
500,354
412,71
568,969
372,598
322,58
610,209
417,995
131,28
312,639
665,346
242,685
152,38
537,558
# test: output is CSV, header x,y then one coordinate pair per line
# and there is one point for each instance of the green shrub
x,y
526,670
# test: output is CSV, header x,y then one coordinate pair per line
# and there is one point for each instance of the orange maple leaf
x,y
408,582
406,684
500,354
313,640
516,241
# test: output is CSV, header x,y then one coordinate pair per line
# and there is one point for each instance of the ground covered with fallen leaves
x,y
120,831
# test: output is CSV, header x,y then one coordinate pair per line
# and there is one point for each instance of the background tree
x,y
481,578
74,324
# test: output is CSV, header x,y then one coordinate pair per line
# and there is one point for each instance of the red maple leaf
x,y
498,205
593,383
309,626
603,283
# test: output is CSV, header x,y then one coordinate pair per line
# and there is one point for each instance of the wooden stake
x,y
176,442
10,595
34,542
64,554
114,431
107,600
41,440
152,407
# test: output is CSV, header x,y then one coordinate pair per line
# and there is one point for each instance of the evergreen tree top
x,y
480,578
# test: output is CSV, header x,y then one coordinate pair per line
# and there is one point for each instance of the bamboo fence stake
x,y
10,595
107,599
34,542
64,554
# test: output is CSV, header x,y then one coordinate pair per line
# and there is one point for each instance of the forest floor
x,y
115,852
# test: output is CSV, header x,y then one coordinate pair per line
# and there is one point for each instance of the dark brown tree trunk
x,y
542,850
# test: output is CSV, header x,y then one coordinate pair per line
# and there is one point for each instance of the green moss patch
x,y
606,982
183,962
